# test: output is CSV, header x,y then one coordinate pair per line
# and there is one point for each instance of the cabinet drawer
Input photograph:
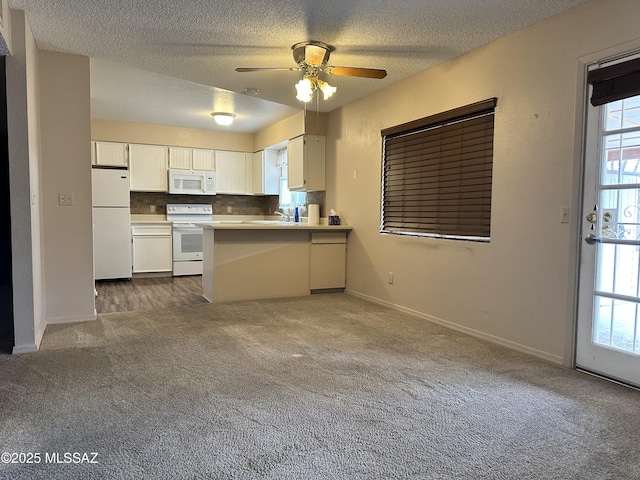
x,y
150,230
329,237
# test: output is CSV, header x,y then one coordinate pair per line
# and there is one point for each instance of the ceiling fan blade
x,y
357,72
249,69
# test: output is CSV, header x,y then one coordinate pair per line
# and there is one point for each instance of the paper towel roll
x,y
313,214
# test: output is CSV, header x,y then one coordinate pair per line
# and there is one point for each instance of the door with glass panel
x,y
608,339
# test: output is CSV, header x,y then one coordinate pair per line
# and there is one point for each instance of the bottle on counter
x,y
296,217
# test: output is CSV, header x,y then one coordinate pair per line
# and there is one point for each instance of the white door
x,y
608,338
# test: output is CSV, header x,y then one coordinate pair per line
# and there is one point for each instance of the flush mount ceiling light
x,y
222,118
311,58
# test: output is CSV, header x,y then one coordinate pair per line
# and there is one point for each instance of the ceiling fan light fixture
x,y
223,118
305,88
327,89
311,58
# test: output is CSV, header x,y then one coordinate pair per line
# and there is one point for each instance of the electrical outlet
x,y
65,199
391,277
229,209
152,208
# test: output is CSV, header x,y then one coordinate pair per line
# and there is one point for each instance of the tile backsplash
x,y
141,203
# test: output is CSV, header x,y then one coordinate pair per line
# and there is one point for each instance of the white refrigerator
x,y
111,223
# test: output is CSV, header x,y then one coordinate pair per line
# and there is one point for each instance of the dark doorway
x,y
6,289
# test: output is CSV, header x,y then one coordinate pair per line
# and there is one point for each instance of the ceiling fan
x,y
311,58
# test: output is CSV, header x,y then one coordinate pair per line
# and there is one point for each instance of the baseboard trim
x,y
459,328
28,348
84,318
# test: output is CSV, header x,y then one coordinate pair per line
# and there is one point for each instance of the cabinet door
x,y
231,172
248,174
314,162
111,154
258,185
152,254
203,159
328,266
180,157
306,163
148,165
266,173
295,164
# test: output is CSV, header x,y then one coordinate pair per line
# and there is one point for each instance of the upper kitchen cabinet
x,y
203,159
180,157
234,172
110,154
306,159
191,158
148,167
266,173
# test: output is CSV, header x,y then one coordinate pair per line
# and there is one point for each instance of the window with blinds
x,y
437,174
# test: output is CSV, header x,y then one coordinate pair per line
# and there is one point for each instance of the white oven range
x,y
187,237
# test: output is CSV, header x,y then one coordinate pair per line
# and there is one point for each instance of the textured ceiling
x,y
141,48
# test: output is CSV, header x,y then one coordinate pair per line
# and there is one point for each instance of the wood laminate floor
x,y
148,293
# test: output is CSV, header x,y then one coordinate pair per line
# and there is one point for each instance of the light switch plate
x,y
564,214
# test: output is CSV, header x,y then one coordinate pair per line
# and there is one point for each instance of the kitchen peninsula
x,y
271,259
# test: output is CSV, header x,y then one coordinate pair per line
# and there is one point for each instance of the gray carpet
x,y
320,387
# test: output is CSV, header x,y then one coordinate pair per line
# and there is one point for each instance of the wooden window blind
x,y
615,82
437,174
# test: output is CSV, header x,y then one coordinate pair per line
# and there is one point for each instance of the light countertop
x,y
241,222
272,225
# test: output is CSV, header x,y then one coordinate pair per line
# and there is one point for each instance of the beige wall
x,y
66,168
291,127
279,132
128,132
519,288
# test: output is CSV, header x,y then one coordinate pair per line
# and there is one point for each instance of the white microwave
x,y
192,182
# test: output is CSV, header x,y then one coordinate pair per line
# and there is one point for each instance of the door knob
x,y
592,239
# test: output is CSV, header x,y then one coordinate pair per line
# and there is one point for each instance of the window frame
x,y
447,196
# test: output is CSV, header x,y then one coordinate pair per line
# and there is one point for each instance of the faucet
x,y
284,216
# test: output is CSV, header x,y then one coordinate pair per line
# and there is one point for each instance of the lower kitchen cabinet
x,y
151,248
328,260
